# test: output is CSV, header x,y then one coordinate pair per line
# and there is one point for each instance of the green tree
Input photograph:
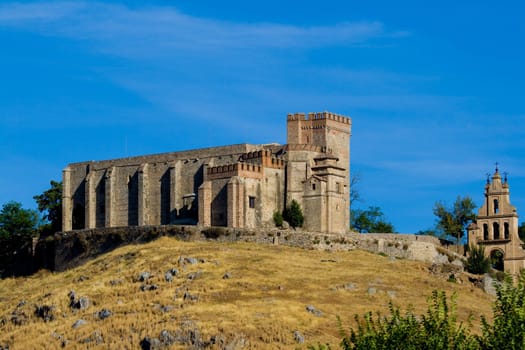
x,y
17,228
454,220
50,204
508,328
16,221
293,214
370,220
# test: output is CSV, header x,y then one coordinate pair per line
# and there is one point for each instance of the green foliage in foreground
x,y
438,327
508,328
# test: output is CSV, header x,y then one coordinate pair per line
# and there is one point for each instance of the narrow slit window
x,y
251,202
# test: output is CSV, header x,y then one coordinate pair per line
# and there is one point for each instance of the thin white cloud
x,y
144,31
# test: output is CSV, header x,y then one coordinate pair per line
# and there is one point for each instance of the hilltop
x,y
222,295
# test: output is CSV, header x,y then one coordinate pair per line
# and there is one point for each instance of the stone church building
x,y
497,227
238,186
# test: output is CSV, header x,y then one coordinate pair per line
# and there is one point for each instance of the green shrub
x,y
278,218
437,329
508,328
293,214
477,263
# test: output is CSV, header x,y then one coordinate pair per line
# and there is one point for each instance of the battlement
x,y
265,158
307,147
319,116
235,169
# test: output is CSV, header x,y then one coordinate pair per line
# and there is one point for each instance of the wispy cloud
x,y
148,31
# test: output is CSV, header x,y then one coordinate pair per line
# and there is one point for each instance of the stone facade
x,y
497,226
237,186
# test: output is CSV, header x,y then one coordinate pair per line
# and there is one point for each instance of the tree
x,y
355,196
293,214
453,221
50,204
14,220
17,228
370,220
508,328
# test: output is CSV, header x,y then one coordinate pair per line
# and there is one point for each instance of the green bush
x,y
437,329
508,328
278,219
477,263
293,214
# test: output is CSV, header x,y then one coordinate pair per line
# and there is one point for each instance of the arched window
x,y
485,232
496,206
506,230
495,226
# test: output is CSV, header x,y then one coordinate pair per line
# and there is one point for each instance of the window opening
x,y
251,202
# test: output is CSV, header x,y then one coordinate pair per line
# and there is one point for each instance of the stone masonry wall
x,y
66,250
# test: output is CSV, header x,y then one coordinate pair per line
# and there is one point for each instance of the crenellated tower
x,y
318,168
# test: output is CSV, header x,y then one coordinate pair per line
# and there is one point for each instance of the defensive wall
x,y
66,250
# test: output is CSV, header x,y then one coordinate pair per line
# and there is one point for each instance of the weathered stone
x,y
103,314
45,312
78,323
226,276
489,285
371,290
19,318
81,304
299,338
150,344
148,287
314,311
190,297
168,277
116,282
167,338
144,276
95,337
191,261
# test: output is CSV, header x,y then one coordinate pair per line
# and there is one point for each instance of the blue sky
x,y
435,89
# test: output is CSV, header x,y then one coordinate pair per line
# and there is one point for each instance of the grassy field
x,y
239,295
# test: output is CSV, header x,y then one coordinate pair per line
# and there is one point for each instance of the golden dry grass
x,y
263,302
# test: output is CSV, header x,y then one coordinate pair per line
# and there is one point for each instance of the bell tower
x,y
497,225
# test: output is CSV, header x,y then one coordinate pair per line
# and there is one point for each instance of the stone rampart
x,y
69,249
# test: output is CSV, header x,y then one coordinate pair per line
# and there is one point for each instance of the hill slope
x,y
225,295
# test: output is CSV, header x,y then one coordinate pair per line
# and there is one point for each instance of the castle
x,y
496,228
237,186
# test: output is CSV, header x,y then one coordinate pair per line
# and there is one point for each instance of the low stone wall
x,y
66,250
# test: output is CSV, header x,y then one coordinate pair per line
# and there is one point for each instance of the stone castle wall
x,y
69,249
234,186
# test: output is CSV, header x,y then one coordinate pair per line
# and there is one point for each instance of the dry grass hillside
x,y
229,296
